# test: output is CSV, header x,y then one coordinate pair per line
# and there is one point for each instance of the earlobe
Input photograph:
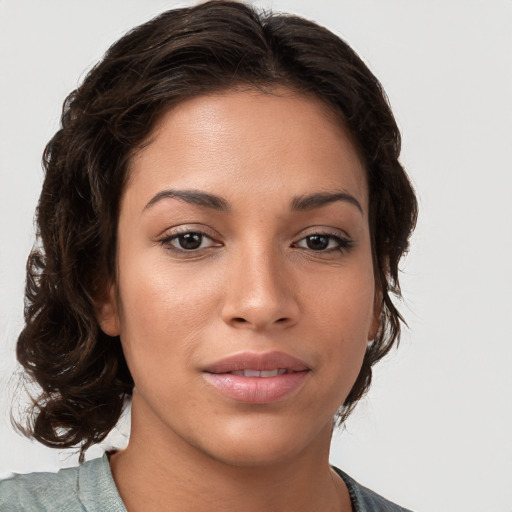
x,y
375,327
377,318
107,313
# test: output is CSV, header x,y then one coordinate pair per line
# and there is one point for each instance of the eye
x,y
188,241
321,242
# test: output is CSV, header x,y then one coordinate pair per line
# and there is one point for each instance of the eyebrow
x,y
213,202
313,201
195,197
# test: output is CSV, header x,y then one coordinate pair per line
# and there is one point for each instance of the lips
x,y
262,373
260,362
257,378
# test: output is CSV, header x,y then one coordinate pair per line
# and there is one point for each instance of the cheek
x,y
345,300
161,309
343,313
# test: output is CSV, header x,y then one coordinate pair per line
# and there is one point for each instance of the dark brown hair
x,y
187,52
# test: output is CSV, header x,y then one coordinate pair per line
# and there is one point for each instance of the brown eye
x,y
189,241
317,242
320,242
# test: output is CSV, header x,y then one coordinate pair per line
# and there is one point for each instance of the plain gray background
x,y
434,432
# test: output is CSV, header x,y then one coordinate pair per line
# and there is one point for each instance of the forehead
x,y
278,141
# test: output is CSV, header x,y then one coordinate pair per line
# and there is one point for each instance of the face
x,y
245,290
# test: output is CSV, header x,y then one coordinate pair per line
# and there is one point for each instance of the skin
x,y
254,285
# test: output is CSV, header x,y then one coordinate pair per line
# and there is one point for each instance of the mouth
x,y
257,378
261,373
249,364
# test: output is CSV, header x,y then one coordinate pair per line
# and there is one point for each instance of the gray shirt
x,y
91,488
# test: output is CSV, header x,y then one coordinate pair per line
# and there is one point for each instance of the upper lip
x,y
254,361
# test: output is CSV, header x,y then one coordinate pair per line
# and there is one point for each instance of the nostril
x,y
239,320
281,320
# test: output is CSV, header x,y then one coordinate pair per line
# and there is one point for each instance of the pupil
x,y
190,240
317,242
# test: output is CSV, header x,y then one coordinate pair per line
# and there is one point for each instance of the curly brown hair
x,y
182,53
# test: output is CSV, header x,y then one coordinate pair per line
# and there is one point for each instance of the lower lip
x,y
256,390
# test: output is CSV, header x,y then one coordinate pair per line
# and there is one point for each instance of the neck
x,y
162,472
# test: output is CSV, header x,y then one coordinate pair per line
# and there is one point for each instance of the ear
x,y
107,312
377,317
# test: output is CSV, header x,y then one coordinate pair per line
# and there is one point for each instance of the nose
x,y
260,294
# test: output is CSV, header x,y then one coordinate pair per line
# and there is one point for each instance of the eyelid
x,y
323,230
344,241
184,228
171,234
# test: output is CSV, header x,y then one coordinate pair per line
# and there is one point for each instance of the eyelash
x,y
342,243
167,242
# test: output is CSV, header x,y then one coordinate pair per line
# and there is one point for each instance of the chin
x,y
255,456
264,443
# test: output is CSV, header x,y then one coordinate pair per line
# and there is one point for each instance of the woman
x,y
220,228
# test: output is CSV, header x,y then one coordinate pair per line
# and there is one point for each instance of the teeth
x,y
258,373
252,373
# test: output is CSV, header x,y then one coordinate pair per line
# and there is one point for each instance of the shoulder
x,y
366,500
86,488
41,491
